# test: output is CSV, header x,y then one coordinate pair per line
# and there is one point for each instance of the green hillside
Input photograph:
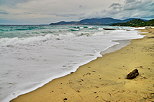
x,y
136,23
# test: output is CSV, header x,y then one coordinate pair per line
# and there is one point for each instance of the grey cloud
x,y
130,1
132,8
57,10
3,12
151,16
27,13
12,2
66,15
140,6
80,6
115,4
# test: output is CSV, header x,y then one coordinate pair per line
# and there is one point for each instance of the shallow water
x,y
31,56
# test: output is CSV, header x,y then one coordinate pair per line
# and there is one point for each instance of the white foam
x,y
16,40
25,68
139,28
32,40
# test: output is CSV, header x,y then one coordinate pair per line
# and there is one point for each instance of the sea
x,y
33,55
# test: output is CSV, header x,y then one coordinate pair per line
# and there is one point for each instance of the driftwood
x,y
133,74
109,29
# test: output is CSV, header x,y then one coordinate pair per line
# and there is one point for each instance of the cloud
x,y
3,12
115,5
11,2
139,8
46,11
130,1
128,9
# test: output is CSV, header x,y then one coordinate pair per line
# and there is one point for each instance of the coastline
x,y
89,82
42,69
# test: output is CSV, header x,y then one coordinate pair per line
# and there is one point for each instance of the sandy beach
x,y
104,79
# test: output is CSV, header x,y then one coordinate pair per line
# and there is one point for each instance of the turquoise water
x,y
25,31
29,30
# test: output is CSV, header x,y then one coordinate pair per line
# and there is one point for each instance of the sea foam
x,y
29,63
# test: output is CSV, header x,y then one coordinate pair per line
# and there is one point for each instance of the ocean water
x,y
31,56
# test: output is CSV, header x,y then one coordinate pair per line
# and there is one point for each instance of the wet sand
x,y
104,79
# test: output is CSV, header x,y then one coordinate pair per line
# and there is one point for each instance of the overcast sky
x,y
47,11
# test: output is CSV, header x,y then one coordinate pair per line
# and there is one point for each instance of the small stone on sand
x,y
133,74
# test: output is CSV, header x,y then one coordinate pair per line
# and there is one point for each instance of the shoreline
x,y
21,99
120,44
86,49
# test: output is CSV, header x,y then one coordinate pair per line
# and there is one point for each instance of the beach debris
x,y
109,28
78,91
65,98
71,72
133,74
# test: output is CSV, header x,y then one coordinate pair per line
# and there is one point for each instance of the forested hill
x,y
136,23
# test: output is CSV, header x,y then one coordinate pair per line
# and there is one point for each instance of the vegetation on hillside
x,y
136,23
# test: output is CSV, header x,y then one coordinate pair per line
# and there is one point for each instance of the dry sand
x,y
103,80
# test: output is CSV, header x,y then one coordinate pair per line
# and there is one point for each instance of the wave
x,y
54,55
41,36
20,41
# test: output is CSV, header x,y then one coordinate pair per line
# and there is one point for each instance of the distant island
x,y
109,21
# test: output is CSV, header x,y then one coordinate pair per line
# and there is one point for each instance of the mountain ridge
x,y
94,21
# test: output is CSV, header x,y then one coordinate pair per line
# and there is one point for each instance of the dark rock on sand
x,y
71,72
65,98
109,29
133,74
